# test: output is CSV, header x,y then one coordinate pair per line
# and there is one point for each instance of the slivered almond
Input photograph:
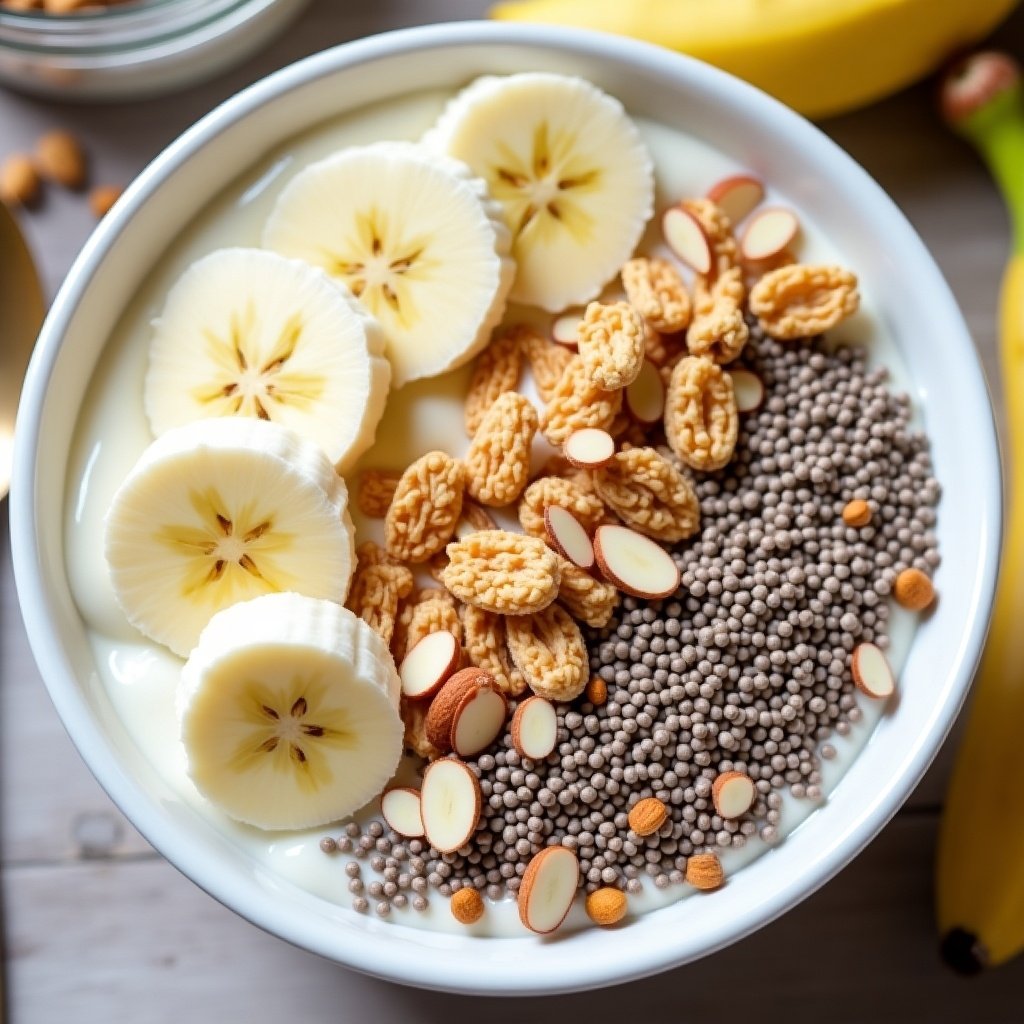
x,y
534,728
428,665
686,237
589,448
645,397
748,389
450,804
733,794
871,672
548,889
479,720
564,328
568,537
401,810
768,233
737,195
635,563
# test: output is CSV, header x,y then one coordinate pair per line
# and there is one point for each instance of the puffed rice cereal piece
x,y
496,370
577,403
800,301
725,253
426,506
701,420
547,360
376,590
657,292
502,572
610,339
584,504
376,489
548,648
649,494
498,460
719,329
427,611
484,641
589,599
414,715
370,553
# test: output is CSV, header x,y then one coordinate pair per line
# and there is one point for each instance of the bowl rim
x,y
441,970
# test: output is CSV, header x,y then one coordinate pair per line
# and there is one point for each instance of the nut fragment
x,y
534,728
606,906
547,360
426,506
657,293
428,611
590,600
467,906
545,491
871,672
60,158
576,403
502,572
548,649
445,706
567,536
800,301
19,181
376,491
913,590
401,809
645,397
704,871
649,494
768,234
498,460
611,340
647,816
733,794
589,448
635,563
719,329
486,648
376,591
496,370
857,513
701,419
428,664
449,803
548,889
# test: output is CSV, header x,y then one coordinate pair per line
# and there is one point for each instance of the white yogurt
x,y
140,678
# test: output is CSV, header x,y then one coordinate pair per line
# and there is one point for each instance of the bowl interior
x,y
913,305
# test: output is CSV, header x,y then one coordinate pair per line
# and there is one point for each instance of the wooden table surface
x,y
101,929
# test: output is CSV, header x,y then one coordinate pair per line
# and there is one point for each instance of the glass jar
x,y
134,50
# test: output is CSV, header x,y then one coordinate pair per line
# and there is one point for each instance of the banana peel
x,y
821,57
980,865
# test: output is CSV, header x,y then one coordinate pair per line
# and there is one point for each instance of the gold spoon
x,y
21,314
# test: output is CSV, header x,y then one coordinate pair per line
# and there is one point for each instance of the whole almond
x,y
606,906
60,158
467,906
647,816
445,706
19,182
704,871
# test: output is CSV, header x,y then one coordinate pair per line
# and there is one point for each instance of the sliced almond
x,y
444,707
535,728
733,794
737,195
479,720
426,668
768,233
401,810
645,397
564,328
635,563
568,537
749,390
589,448
449,804
871,671
548,889
685,236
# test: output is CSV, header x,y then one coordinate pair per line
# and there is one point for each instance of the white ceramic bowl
x,y
915,306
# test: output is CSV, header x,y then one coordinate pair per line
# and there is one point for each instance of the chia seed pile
x,y
747,668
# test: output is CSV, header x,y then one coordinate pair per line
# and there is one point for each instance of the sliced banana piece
x,y
289,712
570,170
245,332
414,236
221,511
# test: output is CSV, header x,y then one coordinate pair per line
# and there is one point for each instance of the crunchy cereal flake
x,y
583,503
414,715
590,600
662,349
495,371
719,330
799,301
426,506
548,649
547,359
485,645
577,403
376,489
498,460
502,572
657,293
611,344
725,252
376,590
649,494
428,611
701,420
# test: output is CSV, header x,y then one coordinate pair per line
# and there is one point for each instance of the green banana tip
x,y
974,82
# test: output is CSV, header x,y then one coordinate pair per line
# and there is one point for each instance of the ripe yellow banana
x,y
980,871
820,56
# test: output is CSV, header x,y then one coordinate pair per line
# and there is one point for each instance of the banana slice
x,y
414,236
289,712
570,170
246,332
220,511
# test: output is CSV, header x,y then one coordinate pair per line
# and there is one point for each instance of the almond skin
x,y
647,816
445,706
